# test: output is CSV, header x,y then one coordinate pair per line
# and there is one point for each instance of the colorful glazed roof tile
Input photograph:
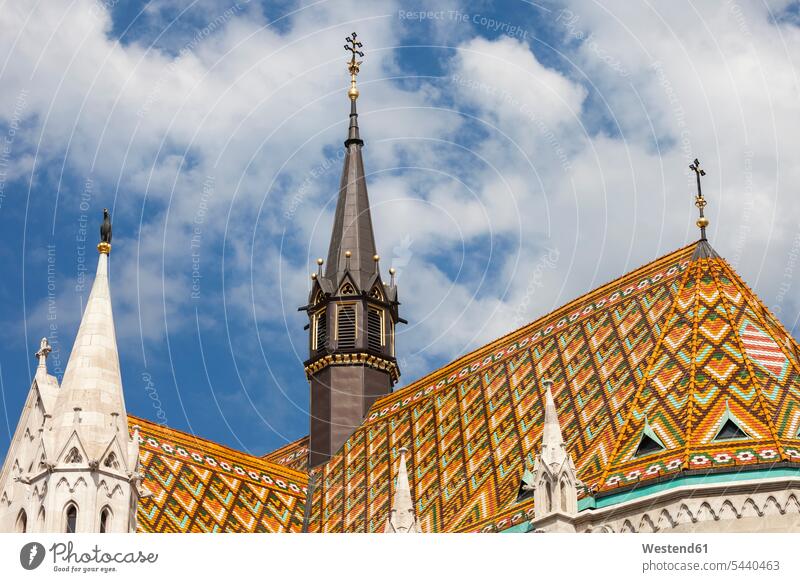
x,y
669,347
199,486
293,455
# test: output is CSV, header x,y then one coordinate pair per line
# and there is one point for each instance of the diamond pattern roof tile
x,y
199,486
670,345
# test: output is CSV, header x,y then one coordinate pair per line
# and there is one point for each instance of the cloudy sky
x,y
518,153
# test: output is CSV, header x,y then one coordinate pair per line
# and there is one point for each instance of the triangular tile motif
x,y
667,345
726,380
663,393
471,426
780,388
644,368
199,486
293,455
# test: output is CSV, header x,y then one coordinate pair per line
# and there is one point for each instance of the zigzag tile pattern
x,y
293,455
472,426
673,344
199,486
721,351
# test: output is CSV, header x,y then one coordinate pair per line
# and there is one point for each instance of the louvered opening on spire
x,y
346,327
375,328
320,331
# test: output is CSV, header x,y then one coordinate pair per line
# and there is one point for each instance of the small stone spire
x,y
555,479
41,355
402,516
552,440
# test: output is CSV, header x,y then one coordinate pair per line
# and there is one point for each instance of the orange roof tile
x,y
293,455
674,345
199,486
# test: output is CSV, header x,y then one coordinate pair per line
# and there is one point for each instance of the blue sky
x,y
519,154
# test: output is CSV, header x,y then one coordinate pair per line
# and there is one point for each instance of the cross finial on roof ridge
x,y
699,201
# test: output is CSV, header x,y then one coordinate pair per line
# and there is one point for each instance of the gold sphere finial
x,y
347,254
104,248
392,271
320,261
702,222
376,258
313,276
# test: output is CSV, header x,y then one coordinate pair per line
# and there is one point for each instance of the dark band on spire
x,y
353,136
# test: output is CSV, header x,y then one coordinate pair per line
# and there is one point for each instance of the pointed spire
x,y
92,381
41,355
402,516
352,243
555,480
552,439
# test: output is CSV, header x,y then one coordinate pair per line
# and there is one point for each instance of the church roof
x,y
293,455
676,349
199,486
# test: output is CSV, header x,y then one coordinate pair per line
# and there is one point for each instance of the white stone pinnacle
x,y
402,516
553,448
92,381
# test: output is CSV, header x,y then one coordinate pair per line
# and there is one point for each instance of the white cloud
x,y
503,153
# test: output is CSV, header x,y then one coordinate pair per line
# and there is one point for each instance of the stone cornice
x,y
348,359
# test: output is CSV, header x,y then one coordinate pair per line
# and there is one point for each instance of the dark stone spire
x,y
352,313
352,223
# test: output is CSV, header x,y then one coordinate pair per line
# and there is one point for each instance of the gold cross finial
x,y
699,201
353,45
